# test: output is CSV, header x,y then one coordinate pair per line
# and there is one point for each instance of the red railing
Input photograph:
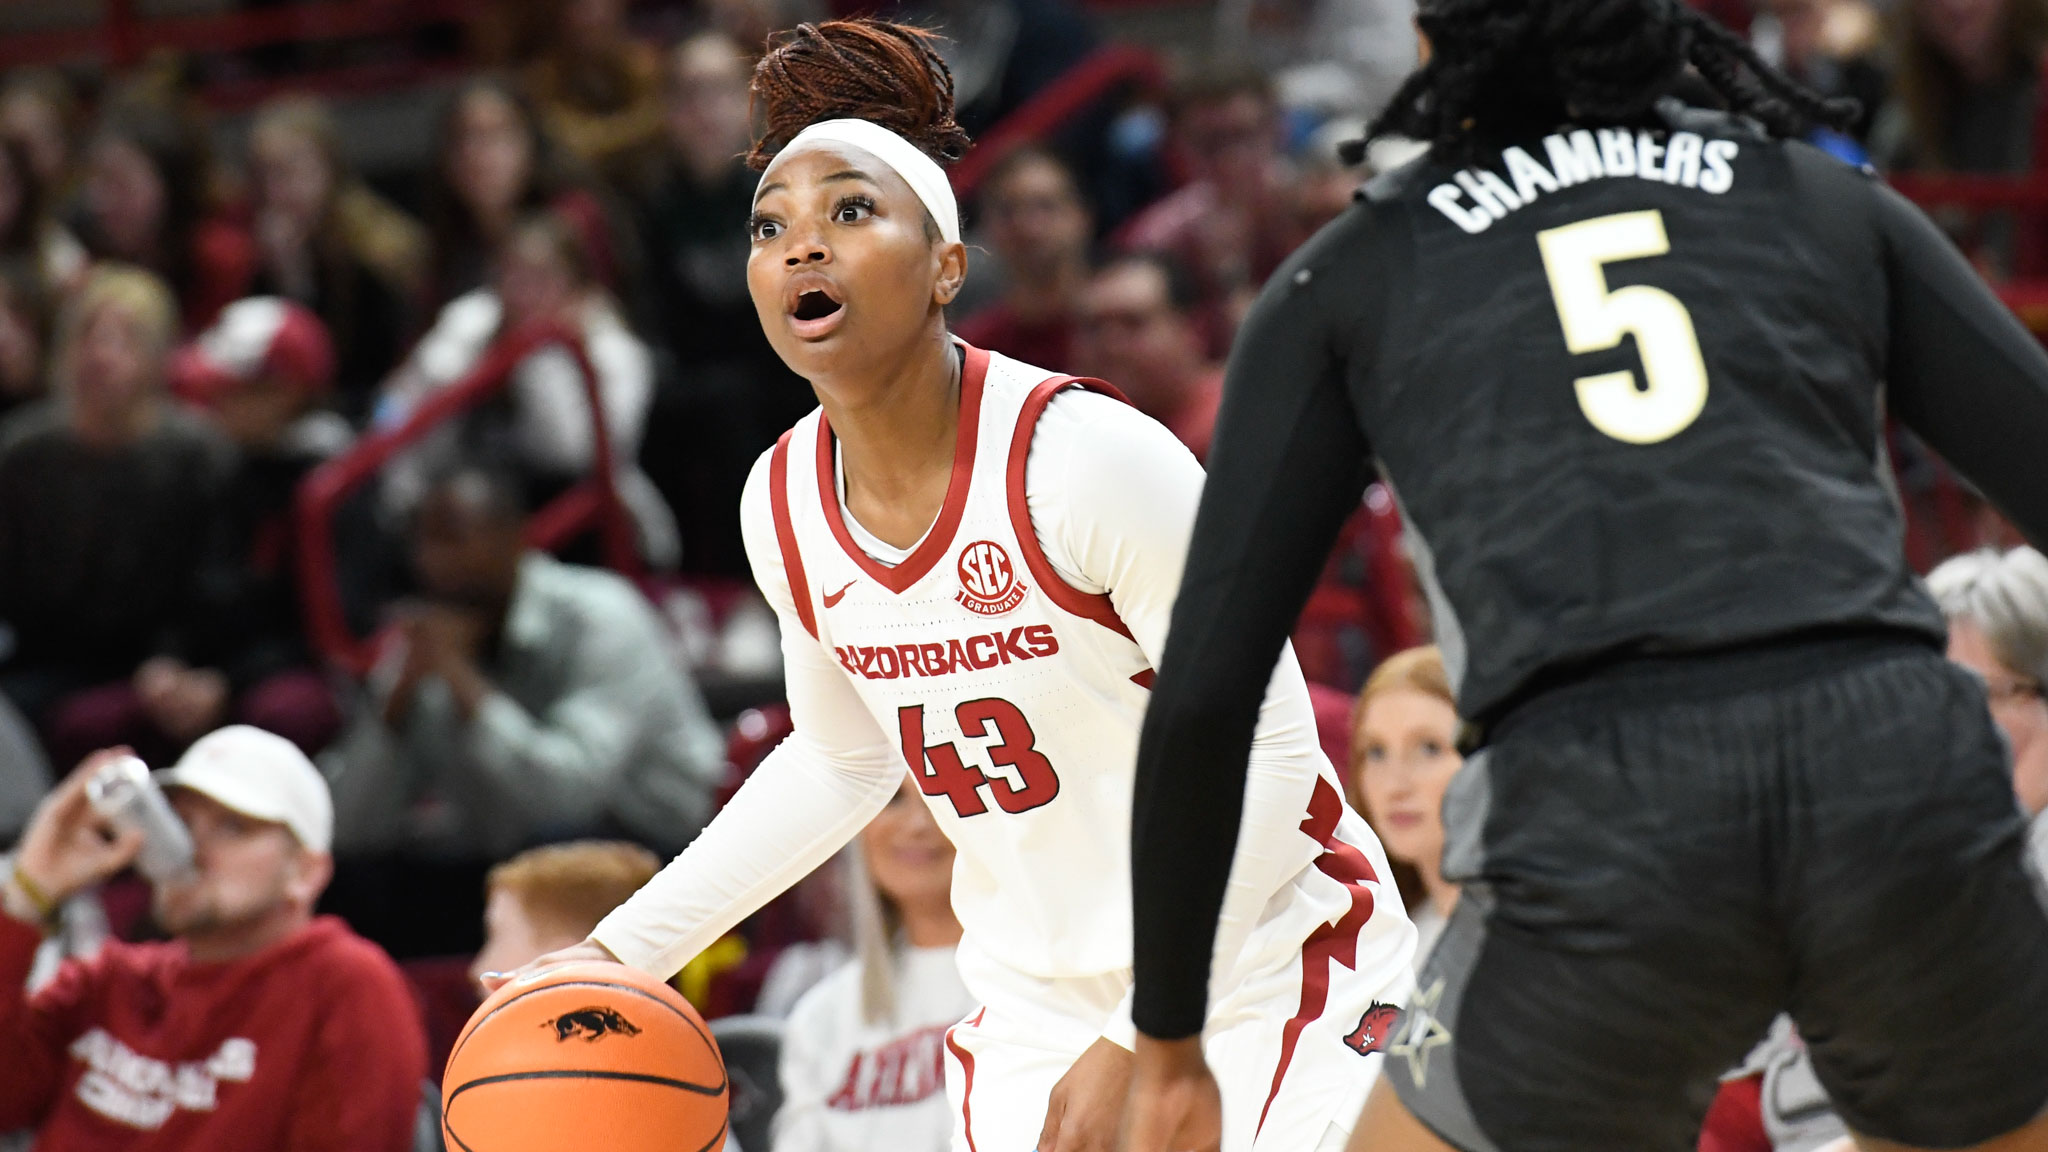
x,y
1051,107
593,503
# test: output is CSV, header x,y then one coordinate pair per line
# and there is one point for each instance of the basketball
x,y
585,1056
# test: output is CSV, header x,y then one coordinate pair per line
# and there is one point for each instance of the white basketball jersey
x,y
1016,699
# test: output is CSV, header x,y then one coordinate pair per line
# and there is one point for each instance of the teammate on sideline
x,y
973,561
1625,364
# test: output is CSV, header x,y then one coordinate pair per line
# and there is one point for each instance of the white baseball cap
x,y
260,775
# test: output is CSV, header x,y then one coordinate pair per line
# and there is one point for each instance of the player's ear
x,y
952,273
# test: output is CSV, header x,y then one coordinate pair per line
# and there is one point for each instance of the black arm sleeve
x,y
1288,464
1963,373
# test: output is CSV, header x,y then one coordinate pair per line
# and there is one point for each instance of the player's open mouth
x,y
814,308
815,305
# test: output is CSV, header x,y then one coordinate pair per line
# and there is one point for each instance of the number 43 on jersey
x,y
941,771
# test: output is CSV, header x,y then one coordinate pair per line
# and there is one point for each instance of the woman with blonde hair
x,y
108,498
863,1058
1404,751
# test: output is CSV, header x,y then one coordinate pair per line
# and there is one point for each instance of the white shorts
x,y
1294,1049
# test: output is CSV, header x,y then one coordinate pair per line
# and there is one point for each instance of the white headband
x,y
918,170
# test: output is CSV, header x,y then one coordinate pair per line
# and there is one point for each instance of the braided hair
x,y
1500,68
864,69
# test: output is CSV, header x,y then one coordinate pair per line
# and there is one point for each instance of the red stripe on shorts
x,y
1332,942
966,1059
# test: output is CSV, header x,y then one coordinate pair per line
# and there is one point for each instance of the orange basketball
x,y
584,1057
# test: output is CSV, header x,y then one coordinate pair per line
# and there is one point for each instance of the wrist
x,y
26,899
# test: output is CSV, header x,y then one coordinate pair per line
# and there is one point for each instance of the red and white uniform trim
x,y
1019,717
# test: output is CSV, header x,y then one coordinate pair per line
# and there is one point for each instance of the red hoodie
x,y
311,1044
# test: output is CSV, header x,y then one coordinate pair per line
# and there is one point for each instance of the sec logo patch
x,y
988,582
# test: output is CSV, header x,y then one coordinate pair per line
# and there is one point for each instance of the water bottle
x,y
124,793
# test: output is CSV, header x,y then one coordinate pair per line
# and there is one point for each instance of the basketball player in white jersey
x,y
973,561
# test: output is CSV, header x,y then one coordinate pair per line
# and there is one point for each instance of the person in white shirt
x,y
863,1057
1404,751
973,562
542,275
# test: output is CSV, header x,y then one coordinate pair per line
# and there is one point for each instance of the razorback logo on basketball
x,y
593,1024
988,584
1374,1030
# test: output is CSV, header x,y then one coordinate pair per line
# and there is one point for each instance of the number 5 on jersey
x,y
941,772
1594,319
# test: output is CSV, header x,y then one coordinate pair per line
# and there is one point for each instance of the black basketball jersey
x,y
1628,384
1628,393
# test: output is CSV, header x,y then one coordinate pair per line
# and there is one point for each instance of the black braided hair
x,y
1499,68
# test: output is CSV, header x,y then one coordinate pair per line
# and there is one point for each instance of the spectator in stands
x,y
527,701
1138,331
109,498
1832,46
1404,751
732,396
325,240
550,897
1966,87
39,111
541,279
1997,609
28,233
256,1026
687,199
146,201
1230,224
494,166
262,373
1039,228
24,772
863,1055
1334,59
26,316
598,87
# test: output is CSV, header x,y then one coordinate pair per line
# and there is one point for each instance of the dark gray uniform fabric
x,y
1565,538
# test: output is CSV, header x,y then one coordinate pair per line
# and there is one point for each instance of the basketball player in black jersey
x,y
1626,364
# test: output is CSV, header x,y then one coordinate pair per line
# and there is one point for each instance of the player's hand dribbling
x,y
1175,1104
1087,1105
588,952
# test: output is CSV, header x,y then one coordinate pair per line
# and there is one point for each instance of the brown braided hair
x,y
861,69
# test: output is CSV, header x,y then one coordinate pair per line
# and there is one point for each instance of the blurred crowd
x,y
291,449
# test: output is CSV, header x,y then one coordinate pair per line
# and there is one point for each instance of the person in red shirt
x,y
1232,223
258,1026
1139,331
1039,228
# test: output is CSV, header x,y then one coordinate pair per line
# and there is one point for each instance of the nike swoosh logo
x,y
832,599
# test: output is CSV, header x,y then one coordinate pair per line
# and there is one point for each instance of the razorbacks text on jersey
x,y
1015,698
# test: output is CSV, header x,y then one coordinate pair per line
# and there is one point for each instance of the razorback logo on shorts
x,y
988,584
1374,1030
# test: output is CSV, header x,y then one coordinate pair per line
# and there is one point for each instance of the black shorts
x,y
1660,858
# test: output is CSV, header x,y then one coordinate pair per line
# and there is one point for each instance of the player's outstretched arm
x,y
802,804
1964,373
1288,465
